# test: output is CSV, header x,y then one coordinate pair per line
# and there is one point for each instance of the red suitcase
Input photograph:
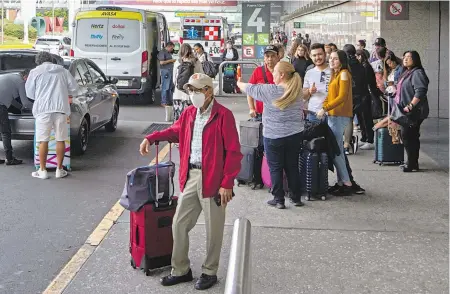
x,y
151,238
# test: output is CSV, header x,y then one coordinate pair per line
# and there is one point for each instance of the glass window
x,y
78,77
96,75
17,62
124,35
45,41
92,34
84,73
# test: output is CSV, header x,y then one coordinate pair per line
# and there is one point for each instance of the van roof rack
x,y
110,8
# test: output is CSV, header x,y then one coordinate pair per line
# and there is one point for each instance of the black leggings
x,y
410,137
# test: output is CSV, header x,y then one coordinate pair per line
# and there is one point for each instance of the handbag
x,y
405,119
378,105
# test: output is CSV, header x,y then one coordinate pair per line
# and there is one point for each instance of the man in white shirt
x,y
315,84
50,86
315,90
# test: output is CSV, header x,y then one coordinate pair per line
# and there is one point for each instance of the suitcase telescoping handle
x,y
157,173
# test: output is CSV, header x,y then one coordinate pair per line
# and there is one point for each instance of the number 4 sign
x,y
255,21
255,17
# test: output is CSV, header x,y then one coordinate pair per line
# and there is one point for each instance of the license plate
x,y
122,83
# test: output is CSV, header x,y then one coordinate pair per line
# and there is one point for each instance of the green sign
x,y
299,25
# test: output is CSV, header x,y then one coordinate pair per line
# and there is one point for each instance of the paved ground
x,y
43,223
394,239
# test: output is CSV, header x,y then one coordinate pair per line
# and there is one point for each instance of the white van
x,y
211,32
124,43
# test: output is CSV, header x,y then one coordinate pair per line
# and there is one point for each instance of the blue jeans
x,y
167,87
337,125
282,155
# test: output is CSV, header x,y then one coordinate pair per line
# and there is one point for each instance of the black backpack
x,y
185,71
209,68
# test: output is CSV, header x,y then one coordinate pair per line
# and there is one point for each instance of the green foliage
x,y
59,12
16,30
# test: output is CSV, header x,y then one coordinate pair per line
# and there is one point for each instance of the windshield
x,y
48,42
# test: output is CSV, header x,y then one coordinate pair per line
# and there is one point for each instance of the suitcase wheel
x,y
374,161
147,272
133,264
308,197
380,164
323,198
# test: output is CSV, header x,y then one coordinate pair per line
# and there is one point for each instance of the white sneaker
x,y
367,146
40,174
60,173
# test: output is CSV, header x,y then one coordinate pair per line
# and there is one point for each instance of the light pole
x,y
3,23
53,17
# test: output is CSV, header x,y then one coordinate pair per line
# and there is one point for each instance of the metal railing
x,y
220,77
239,277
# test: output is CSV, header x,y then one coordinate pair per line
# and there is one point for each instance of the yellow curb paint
x,y
16,46
66,275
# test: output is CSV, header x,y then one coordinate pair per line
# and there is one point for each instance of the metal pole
x,y
53,17
3,21
239,278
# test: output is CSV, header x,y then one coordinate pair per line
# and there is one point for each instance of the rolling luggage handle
x,y
157,203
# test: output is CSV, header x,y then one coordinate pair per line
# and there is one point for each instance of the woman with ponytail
x,y
283,126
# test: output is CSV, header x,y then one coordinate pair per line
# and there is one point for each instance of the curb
x,y
70,270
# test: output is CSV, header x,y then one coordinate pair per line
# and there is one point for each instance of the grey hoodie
x,y
50,85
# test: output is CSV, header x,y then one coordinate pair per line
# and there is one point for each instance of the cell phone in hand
x,y
218,199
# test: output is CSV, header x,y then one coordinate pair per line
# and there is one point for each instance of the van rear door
x,y
91,39
124,47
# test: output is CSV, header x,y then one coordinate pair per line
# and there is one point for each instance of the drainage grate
x,y
155,127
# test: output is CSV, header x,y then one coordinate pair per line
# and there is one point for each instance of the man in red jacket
x,y
210,159
263,75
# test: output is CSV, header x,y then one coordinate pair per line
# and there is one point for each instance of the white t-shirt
x,y
322,79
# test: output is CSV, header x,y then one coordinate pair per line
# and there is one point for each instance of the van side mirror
x,y
113,80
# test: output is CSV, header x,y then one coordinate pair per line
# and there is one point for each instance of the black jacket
x,y
358,77
371,80
235,54
300,65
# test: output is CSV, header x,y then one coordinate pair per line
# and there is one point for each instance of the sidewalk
x,y
394,239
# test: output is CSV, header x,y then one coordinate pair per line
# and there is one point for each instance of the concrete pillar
x,y
27,12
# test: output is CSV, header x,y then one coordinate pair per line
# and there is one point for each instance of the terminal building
x,y
405,25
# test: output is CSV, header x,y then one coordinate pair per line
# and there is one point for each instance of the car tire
x,y
80,142
111,126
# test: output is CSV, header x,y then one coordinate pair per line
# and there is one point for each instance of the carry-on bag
x,y
151,240
251,133
52,162
251,164
313,169
229,84
265,176
385,151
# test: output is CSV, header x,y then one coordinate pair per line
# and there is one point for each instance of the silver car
x,y
96,104
59,45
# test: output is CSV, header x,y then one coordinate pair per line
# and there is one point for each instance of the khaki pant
x,y
190,205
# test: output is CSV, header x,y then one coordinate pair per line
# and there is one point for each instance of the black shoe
x,y
333,189
296,202
407,168
357,189
276,204
2,161
13,161
343,191
173,280
205,282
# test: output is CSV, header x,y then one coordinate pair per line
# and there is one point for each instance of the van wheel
x,y
80,142
111,126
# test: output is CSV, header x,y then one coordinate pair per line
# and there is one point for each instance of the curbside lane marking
x,y
70,270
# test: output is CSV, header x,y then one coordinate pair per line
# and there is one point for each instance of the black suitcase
x,y
314,173
229,84
385,151
251,167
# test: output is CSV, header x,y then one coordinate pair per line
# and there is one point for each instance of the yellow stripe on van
x,y
109,14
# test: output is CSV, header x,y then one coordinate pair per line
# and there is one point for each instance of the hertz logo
x,y
96,26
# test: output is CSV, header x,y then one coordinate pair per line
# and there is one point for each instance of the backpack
x,y
185,71
229,71
209,68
